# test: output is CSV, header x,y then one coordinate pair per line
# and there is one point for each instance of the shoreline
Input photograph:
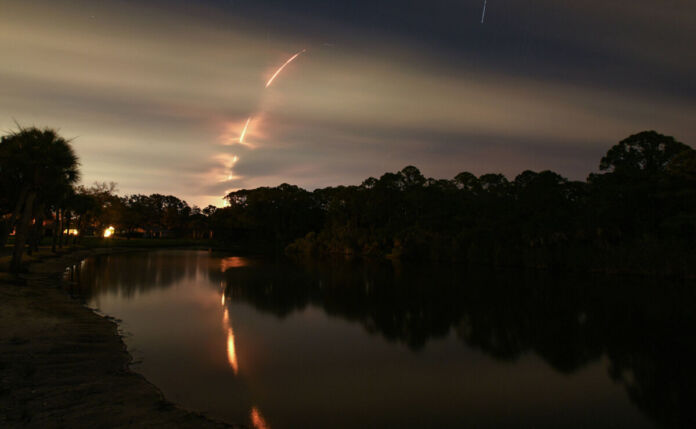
x,y
63,365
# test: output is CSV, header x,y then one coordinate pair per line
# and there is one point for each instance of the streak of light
x,y
270,81
230,134
244,131
483,15
222,299
225,317
231,353
257,419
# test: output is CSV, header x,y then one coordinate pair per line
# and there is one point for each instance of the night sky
x,y
156,93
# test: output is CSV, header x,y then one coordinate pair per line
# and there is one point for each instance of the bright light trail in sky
x,y
283,66
241,136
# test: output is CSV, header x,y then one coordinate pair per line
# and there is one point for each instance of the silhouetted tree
x,y
37,160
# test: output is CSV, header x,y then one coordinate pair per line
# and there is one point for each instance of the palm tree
x,y
40,162
11,185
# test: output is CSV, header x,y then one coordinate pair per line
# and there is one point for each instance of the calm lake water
x,y
277,344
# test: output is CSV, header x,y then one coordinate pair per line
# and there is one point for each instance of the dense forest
x,y
637,214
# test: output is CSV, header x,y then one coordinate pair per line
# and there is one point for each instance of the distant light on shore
x,y
109,232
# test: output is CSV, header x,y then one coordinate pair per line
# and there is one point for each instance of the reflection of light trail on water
x,y
233,262
257,419
231,353
270,81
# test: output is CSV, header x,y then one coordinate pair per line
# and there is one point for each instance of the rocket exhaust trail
x,y
241,136
483,15
270,81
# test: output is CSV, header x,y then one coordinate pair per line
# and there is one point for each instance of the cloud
x,y
156,97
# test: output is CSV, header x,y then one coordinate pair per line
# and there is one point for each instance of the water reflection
x,y
257,419
644,327
129,274
233,262
231,354
641,329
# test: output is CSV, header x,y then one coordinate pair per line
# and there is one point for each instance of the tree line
x,y
640,207
637,213
40,196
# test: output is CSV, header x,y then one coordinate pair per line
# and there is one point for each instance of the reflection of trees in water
x,y
133,272
657,357
644,327
365,293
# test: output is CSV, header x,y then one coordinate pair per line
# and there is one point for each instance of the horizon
x,y
156,97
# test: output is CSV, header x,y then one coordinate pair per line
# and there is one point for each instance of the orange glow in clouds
x,y
223,170
236,132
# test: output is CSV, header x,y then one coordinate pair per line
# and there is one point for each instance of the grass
x,y
6,257
93,243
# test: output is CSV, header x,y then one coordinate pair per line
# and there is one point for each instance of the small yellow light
x,y
108,232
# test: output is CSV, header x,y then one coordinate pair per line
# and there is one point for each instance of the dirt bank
x,y
61,365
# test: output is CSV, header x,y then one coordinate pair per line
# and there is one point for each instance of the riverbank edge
x,y
64,365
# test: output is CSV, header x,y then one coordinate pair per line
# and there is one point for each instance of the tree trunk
x,y
66,237
38,230
31,236
78,227
21,233
54,235
61,229
6,228
31,232
81,224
